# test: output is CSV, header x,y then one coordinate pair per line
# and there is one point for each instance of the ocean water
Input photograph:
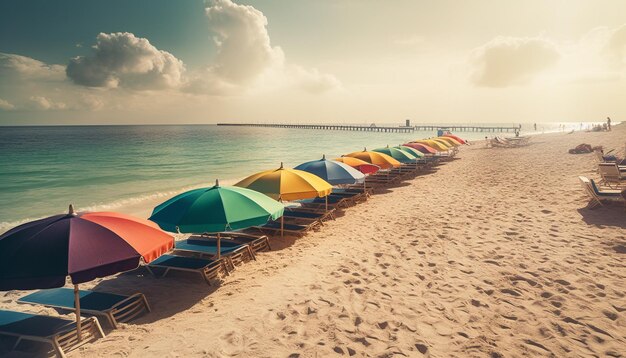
x,y
43,169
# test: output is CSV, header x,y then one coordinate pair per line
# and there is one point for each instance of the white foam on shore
x,y
140,206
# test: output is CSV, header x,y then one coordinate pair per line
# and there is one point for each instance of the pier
x,y
375,128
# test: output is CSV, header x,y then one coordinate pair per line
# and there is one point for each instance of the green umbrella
x,y
216,209
397,154
410,150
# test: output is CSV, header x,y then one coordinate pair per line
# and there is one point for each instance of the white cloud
x,y
507,61
615,46
45,103
247,60
6,105
123,60
16,68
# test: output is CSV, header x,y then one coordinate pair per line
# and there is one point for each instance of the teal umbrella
x,y
397,154
216,209
410,150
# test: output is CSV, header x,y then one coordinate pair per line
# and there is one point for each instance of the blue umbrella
x,y
334,172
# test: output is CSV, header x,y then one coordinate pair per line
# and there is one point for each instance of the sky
x,y
323,61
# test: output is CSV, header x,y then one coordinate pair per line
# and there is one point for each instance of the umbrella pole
x,y
219,246
326,202
77,311
282,226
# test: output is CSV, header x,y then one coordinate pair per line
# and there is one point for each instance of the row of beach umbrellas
x,y
84,246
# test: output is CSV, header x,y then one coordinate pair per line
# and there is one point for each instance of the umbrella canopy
x,y
83,246
424,148
434,144
333,172
382,160
448,140
416,153
287,184
458,139
360,165
216,209
397,154
443,143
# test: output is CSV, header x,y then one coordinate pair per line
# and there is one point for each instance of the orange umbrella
x,y
382,160
358,164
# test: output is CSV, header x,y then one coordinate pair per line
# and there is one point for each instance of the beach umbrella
x,y
382,160
43,253
458,139
410,150
397,154
433,144
358,164
334,172
424,148
443,143
285,184
448,140
216,209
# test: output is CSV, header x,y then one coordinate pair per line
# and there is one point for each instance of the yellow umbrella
x,y
383,160
432,143
449,140
285,184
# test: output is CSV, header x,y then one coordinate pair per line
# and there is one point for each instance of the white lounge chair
x,y
599,197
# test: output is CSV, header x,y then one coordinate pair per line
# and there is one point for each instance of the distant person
x,y
535,126
608,122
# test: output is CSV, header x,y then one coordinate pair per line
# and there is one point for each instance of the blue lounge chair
x,y
59,333
293,229
115,308
233,252
257,243
207,268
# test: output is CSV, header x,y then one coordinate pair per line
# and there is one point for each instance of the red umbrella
x,y
457,138
358,164
426,149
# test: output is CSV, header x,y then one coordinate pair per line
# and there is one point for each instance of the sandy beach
x,y
493,255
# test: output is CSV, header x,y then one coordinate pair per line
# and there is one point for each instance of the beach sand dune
x,y
493,255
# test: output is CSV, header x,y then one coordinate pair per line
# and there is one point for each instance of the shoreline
x,y
143,204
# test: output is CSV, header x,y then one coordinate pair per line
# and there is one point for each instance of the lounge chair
x,y
257,243
274,227
612,176
113,307
334,201
234,253
597,197
59,333
207,268
303,217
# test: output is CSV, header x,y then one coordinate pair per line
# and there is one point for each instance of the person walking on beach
x,y
535,126
608,122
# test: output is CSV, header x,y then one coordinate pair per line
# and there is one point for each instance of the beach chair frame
x,y
212,271
123,311
595,198
232,259
66,339
611,175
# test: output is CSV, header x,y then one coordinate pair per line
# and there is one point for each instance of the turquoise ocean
x,y
43,169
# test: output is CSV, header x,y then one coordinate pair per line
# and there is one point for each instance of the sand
x,y
494,255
